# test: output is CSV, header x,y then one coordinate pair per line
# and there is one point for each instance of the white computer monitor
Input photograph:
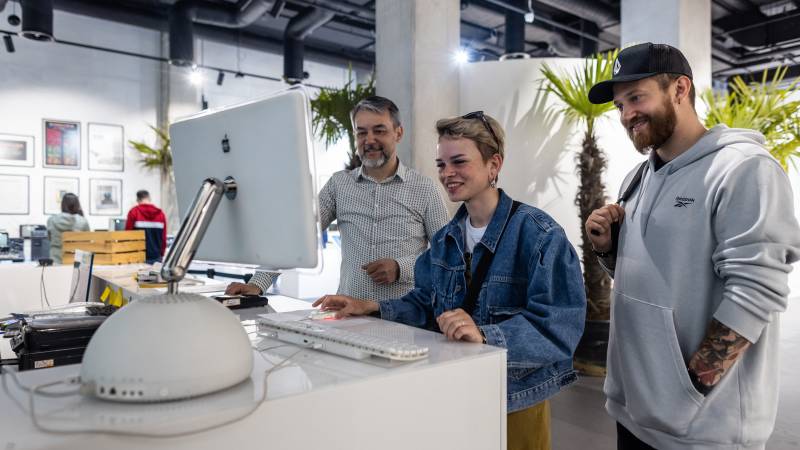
x,y
266,145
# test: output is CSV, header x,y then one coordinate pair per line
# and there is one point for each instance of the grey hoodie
x,y
59,223
710,234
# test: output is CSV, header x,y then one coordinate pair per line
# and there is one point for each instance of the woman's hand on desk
x,y
346,306
242,289
459,326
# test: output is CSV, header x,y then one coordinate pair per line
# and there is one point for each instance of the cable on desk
x,y
43,289
35,390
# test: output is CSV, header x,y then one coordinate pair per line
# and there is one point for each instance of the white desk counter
x,y
455,399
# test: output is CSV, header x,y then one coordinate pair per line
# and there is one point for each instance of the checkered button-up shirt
x,y
394,218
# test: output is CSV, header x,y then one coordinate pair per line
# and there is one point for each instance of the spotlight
x,y
461,56
9,43
220,78
195,77
529,16
14,20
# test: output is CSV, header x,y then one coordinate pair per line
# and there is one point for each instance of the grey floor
x,y
580,421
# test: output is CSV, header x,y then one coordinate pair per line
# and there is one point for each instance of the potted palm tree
x,y
572,89
767,106
160,158
331,113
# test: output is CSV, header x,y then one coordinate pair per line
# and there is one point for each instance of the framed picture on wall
x,y
54,190
106,150
62,144
16,194
16,150
105,197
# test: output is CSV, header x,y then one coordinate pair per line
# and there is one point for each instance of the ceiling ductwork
x,y
37,20
185,13
297,30
590,10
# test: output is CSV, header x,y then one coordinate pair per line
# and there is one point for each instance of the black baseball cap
x,y
638,62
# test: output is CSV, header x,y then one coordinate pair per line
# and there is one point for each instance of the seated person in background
x,y
150,218
531,300
387,212
69,219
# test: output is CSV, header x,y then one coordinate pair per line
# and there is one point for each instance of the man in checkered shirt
x,y
386,211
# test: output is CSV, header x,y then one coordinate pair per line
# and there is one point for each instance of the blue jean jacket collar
x,y
493,231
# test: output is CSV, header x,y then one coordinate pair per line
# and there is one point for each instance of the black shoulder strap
x,y
483,267
637,178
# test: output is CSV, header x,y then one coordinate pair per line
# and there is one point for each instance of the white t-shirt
x,y
473,235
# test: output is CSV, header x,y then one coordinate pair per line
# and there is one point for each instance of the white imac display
x,y
265,146
245,191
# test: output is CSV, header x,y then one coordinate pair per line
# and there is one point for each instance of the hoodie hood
x,y
714,139
149,212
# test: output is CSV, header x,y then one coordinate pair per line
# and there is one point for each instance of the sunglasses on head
x,y
482,117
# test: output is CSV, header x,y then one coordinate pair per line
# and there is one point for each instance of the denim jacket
x,y
532,301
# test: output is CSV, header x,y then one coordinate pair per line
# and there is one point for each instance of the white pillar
x,y
416,41
685,24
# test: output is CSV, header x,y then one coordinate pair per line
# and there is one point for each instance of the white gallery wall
x,y
60,82
539,167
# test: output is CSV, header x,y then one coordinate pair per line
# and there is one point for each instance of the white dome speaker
x,y
166,347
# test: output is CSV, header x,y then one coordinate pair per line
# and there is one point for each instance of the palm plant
x,y
766,106
572,89
331,108
160,158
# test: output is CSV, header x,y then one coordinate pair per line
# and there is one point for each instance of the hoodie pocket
x,y
658,392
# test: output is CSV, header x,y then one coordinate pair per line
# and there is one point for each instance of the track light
x,y
529,16
195,77
220,78
239,75
9,43
461,56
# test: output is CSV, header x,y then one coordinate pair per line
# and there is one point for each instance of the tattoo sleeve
x,y
717,353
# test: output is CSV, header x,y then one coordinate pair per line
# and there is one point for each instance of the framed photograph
x,y
16,150
106,150
16,194
62,144
105,197
54,190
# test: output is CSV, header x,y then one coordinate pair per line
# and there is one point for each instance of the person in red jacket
x,y
150,218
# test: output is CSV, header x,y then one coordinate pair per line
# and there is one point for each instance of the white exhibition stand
x,y
454,399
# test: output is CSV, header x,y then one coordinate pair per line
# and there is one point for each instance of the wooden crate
x,y
109,247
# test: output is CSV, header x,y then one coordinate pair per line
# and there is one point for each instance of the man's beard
x,y
661,125
373,163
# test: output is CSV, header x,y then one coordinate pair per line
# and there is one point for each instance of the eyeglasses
x,y
480,115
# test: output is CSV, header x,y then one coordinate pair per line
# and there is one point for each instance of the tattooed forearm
x,y
717,353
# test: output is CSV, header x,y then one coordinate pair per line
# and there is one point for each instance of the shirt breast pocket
x,y
505,292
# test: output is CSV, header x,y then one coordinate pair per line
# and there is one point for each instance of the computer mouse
x,y
323,315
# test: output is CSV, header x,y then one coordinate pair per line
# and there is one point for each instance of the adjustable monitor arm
x,y
193,229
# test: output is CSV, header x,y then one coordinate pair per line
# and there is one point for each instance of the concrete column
x,y
685,24
416,41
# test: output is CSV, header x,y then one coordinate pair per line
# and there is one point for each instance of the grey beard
x,y
374,163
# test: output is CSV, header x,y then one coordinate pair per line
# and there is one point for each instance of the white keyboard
x,y
312,334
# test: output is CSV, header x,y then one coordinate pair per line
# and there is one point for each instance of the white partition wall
x,y
539,168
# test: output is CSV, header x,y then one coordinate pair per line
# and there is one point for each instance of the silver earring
x,y
493,183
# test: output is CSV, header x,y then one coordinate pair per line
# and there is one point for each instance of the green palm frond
x,y
331,111
573,88
159,158
766,106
